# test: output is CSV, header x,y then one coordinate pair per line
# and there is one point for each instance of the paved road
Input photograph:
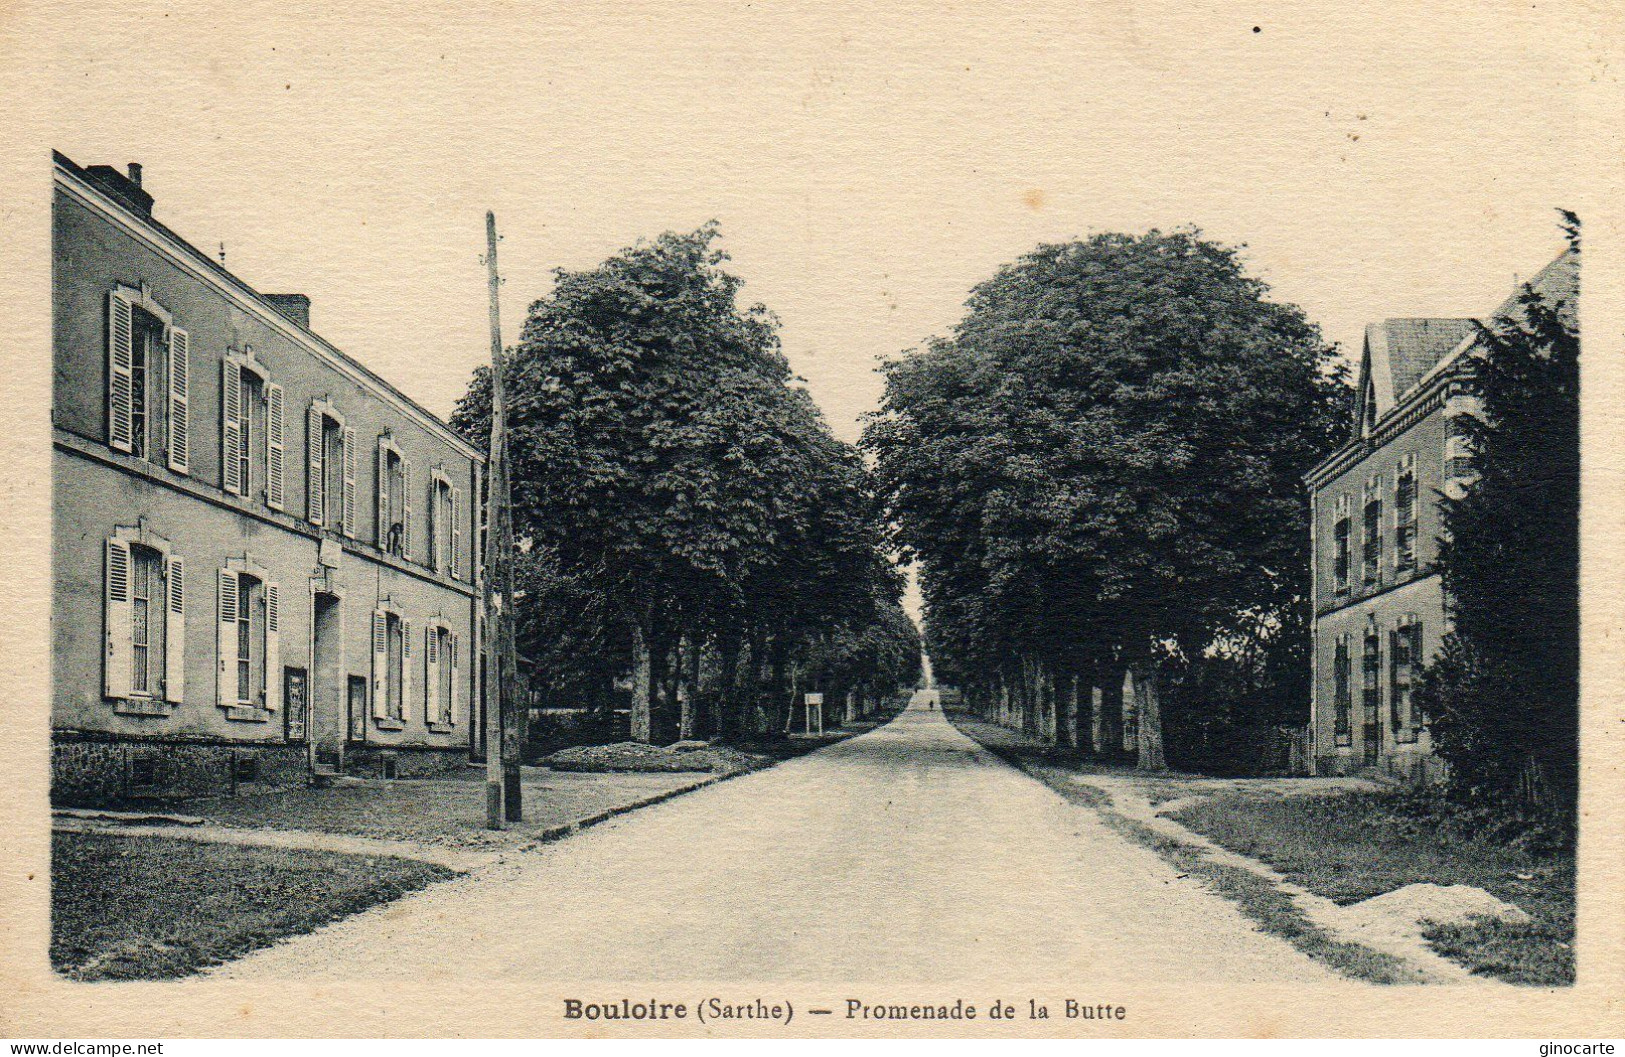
x,y
908,854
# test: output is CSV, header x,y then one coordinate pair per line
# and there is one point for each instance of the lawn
x,y
150,908
1352,847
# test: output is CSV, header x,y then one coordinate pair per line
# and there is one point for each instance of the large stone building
x,y
1379,607
262,552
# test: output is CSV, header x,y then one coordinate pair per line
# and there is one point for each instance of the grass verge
x,y
1352,847
152,908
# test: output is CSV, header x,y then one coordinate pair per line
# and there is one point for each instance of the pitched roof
x,y
1414,346
1402,356
436,425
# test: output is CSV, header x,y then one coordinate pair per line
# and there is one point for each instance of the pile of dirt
x,y
635,756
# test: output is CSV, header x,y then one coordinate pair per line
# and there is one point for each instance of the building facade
x,y
1379,608
263,555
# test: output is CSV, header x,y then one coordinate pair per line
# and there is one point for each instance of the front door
x,y
327,684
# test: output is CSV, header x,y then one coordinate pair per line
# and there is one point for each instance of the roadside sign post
x,y
815,712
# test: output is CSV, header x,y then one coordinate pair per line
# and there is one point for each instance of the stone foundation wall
x,y
96,772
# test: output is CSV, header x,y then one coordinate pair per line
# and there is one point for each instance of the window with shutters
x,y
1340,536
148,384
1342,693
1404,660
394,500
1371,540
147,613
145,605
333,472
148,375
392,658
1371,691
444,536
395,682
250,643
448,674
440,675
329,469
1405,515
249,620
253,431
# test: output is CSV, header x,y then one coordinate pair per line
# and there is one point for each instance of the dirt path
x,y
909,853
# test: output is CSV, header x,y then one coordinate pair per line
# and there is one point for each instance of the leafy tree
x,y
677,492
1503,697
1100,469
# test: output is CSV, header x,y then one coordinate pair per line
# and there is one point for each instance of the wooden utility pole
x,y
503,799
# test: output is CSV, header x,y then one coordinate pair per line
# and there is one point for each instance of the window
x,y
397,661
391,665
146,621
441,667
253,437
147,377
1371,540
249,621
1404,657
1342,699
394,500
329,469
1405,515
145,603
1340,536
1371,692
445,526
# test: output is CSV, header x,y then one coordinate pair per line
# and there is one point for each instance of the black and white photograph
x,y
728,520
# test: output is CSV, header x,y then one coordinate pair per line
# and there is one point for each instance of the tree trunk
x,y
729,649
1148,720
659,704
1109,714
693,700
1069,711
795,693
642,713
686,685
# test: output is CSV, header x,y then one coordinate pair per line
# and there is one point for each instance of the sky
x,y
868,163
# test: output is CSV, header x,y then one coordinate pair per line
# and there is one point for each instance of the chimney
x,y
295,306
125,188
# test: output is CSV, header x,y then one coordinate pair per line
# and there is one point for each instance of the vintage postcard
x,y
812,521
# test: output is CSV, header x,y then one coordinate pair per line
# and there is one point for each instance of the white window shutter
x,y
406,668
349,482
120,376
383,495
120,648
276,447
175,632
231,428
406,510
457,533
431,674
452,709
180,379
273,648
226,638
380,664
315,480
